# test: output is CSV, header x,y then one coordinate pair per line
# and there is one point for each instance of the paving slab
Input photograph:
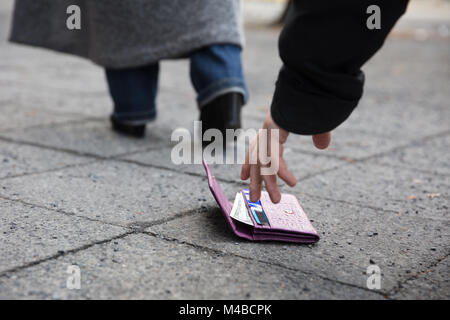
x,y
121,193
92,99
399,119
348,144
406,191
17,159
430,284
429,156
93,137
379,124
56,71
30,233
54,101
144,267
352,239
409,75
12,117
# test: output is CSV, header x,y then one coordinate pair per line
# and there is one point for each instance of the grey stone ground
x,y
73,192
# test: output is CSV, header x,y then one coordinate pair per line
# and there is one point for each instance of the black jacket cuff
x,y
300,110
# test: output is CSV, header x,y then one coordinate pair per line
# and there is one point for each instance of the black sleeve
x,y
323,46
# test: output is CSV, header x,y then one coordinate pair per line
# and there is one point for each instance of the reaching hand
x,y
255,167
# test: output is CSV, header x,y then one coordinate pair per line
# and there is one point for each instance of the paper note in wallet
x,y
286,220
239,210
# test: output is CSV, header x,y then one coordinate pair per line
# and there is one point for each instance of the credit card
x,y
257,210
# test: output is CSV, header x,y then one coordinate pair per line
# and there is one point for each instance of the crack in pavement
x,y
53,124
364,206
408,144
136,226
61,253
133,228
430,268
76,152
118,158
67,166
139,227
270,263
66,213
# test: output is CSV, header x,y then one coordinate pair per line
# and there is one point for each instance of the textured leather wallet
x,y
286,220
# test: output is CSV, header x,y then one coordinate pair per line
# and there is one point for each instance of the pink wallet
x,y
286,220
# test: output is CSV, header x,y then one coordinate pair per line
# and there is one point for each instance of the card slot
x,y
267,212
255,224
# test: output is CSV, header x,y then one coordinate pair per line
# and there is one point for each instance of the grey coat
x,y
128,33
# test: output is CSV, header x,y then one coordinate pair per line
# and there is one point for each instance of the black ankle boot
x,y
224,112
133,130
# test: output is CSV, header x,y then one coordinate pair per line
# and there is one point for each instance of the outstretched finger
x,y
270,182
286,175
250,159
255,183
245,170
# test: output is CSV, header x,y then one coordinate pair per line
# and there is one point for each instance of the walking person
x,y
129,39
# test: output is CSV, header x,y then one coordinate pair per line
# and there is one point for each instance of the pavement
x,y
72,192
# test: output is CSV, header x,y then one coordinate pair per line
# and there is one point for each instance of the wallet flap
x,y
287,215
240,229
217,192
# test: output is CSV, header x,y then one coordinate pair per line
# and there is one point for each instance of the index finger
x,y
272,187
255,183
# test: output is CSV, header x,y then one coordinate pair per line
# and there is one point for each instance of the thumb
x,y
322,140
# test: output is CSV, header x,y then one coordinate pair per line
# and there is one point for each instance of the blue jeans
x,y
214,70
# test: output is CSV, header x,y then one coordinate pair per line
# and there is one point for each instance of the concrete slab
x,y
405,191
30,234
409,75
14,118
17,159
120,193
53,101
387,117
144,267
92,137
429,156
352,239
429,284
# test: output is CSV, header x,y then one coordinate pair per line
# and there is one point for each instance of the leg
x,y
216,74
134,95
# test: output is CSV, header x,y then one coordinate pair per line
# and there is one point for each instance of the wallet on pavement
x,y
285,221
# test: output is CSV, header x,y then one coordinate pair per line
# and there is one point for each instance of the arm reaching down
x,y
323,47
